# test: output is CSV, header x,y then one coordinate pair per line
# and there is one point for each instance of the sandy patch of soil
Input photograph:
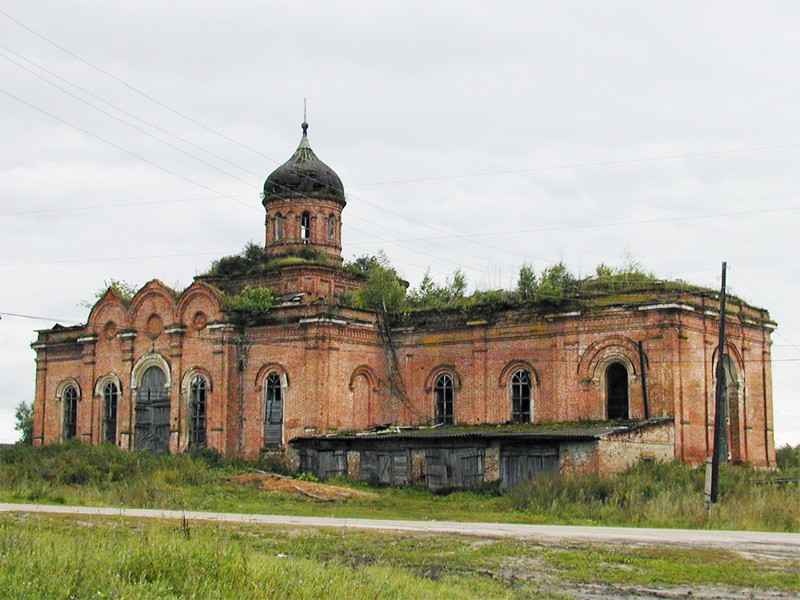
x,y
271,482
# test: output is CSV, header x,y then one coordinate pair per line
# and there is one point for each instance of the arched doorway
x,y
151,432
617,392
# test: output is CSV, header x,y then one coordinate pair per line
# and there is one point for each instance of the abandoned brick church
x,y
443,398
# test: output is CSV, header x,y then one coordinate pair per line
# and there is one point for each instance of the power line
x,y
153,125
132,88
426,240
614,224
11,314
577,165
120,205
110,143
580,165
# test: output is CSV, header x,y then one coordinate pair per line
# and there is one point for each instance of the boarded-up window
x,y
525,463
454,467
362,402
391,467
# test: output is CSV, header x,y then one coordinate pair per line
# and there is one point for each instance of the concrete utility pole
x,y
720,452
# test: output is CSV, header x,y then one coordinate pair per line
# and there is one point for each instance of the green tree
x,y
456,286
528,282
384,290
125,290
556,281
251,299
24,424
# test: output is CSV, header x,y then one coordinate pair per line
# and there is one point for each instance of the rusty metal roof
x,y
554,432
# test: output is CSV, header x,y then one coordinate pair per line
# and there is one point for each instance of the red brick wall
x,y
336,368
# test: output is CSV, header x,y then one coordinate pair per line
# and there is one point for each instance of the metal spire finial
x,y
305,122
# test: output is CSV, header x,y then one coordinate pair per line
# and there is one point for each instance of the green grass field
x,y
648,495
52,557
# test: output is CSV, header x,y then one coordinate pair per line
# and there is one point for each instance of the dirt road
x,y
784,545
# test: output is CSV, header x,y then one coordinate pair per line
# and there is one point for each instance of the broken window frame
x,y
521,397
198,411
70,398
444,395
110,405
305,227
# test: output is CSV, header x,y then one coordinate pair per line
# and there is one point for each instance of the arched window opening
x,y
521,397
273,411
110,401
735,448
279,226
444,392
617,392
198,391
70,413
331,228
305,227
151,431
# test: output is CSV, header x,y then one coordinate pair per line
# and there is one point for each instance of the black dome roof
x,y
303,175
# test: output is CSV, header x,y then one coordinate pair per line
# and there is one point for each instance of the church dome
x,y
304,175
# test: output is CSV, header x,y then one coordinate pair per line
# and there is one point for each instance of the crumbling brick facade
x,y
312,366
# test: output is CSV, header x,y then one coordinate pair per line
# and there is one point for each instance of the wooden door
x,y
151,432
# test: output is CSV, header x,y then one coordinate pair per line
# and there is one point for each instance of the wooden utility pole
x,y
720,452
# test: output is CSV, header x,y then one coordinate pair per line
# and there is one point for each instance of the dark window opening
x,y
521,397
445,394
70,413
305,227
110,400
273,411
617,391
197,413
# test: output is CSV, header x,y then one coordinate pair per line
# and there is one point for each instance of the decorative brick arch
x,y
430,382
110,308
268,368
190,374
202,296
144,363
516,365
105,379
368,373
66,383
154,289
601,354
736,357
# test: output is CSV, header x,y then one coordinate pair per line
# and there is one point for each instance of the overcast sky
x,y
136,137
